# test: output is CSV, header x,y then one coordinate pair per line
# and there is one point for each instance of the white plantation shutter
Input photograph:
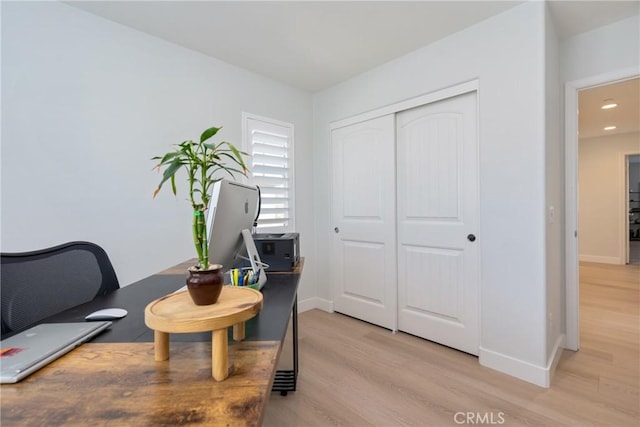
x,y
270,144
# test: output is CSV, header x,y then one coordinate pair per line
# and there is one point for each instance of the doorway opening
x,y
633,187
596,177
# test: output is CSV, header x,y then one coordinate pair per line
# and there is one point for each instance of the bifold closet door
x,y
363,251
438,272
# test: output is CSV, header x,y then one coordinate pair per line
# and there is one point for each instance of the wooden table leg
x,y
161,345
238,331
219,355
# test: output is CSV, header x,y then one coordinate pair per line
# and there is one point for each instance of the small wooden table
x,y
176,313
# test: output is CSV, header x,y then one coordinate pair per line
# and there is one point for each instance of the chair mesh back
x,y
39,284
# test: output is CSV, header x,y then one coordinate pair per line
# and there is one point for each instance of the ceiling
x,y
313,45
592,119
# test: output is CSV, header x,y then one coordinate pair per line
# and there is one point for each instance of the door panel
x,y
363,203
437,295
431,150
363,282
438,275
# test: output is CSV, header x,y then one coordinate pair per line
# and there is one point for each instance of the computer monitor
x,y
233,208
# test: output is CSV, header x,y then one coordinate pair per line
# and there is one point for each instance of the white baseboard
x,y
556,354
315,302
538,375
601,259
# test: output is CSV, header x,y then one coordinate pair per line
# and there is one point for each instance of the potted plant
x,y
203,162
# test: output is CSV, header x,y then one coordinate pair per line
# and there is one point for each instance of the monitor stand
x,y
254,257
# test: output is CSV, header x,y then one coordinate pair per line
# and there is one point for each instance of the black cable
x,y
255,221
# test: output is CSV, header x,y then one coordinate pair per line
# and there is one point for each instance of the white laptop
x,y
30,350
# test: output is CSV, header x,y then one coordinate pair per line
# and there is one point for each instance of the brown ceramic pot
x,y
205,285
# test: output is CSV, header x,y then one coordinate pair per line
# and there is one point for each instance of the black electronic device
x,y
281,251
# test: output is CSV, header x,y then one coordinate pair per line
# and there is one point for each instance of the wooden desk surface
x,y
114,379
121,384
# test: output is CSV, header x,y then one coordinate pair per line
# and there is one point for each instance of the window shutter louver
x,y
270,146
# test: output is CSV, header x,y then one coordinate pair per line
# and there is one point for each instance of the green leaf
x,y
169,156
232,157
173,185
235,151
169,173
212,147
239,162
209,133
233,148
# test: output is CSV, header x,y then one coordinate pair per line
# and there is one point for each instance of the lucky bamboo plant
x,y
202,162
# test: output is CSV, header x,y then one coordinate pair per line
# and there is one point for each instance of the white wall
x,y
506,54
602,194
554,190
86,103
601,51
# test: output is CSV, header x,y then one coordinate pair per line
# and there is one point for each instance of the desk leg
x,y
286,381
238,331
220,355
161,345
295,342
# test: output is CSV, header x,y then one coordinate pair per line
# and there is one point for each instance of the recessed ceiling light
x,y
608,103
610,128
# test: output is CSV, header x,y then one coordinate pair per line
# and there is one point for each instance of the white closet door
x,y
438,275
364,246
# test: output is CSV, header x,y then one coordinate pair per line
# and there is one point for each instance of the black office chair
x,y
38,284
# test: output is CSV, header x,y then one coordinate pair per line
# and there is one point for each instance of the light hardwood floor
x,y
356,374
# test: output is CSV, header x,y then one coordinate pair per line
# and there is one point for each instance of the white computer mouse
x,y
107,314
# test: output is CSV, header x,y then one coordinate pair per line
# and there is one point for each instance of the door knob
x,y
337,230
471,238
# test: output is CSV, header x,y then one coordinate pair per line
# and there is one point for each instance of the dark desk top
x,y
270,324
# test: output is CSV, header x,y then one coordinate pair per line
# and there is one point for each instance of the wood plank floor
x,y
356,374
